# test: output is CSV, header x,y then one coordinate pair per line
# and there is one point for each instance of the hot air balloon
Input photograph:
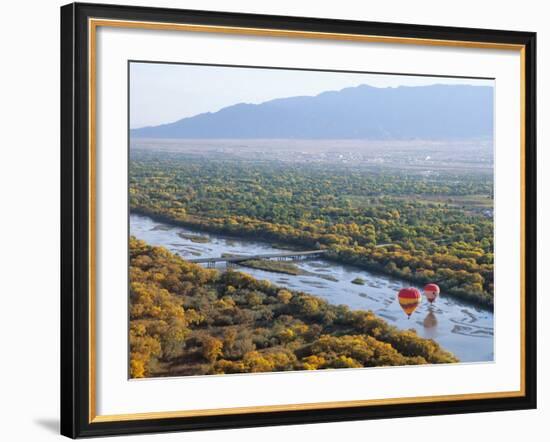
x,y
431,291
409,298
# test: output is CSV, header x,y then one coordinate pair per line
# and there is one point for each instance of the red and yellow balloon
x,y
431,291
409,299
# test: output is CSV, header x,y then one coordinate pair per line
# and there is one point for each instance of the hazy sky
x,y
163,93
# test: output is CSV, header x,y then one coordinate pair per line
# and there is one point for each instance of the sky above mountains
x,y
433,112
165,93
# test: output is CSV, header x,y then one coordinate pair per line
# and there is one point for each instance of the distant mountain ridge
x,y
362,112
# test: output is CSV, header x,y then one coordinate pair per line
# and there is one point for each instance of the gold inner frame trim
x,y
93,24
298,34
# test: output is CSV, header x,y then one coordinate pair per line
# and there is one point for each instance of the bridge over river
x,y
286,256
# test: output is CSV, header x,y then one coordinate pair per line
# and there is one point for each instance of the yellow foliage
x,y
256,362
284,296
211,348
137,368
313,362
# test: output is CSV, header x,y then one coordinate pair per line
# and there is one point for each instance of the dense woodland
x,y
434,226
188,320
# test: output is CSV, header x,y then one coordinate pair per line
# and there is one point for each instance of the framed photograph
x,y
279,220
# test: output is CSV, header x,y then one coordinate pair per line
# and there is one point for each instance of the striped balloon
x,y
409,299
431,291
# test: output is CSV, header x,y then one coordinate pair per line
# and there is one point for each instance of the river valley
x,y
461,328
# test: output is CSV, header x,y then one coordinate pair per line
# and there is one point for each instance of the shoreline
x,y
191,225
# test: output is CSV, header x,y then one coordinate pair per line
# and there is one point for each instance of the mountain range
x,y
362,112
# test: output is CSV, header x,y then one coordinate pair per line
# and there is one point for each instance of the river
x,y
461,328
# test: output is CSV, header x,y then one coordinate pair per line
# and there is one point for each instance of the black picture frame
x,y
75,220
